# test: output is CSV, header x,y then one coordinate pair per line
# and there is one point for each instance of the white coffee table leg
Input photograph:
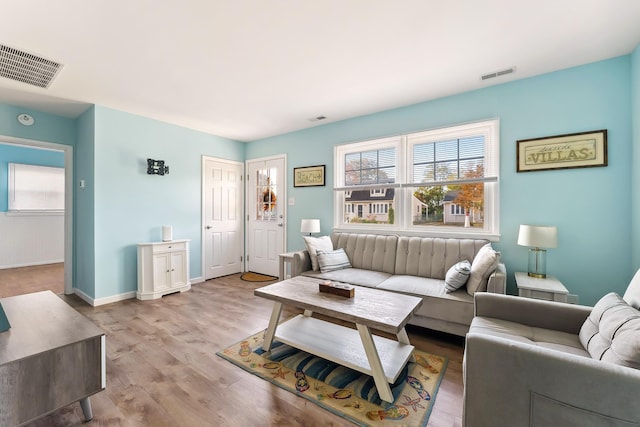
x,y
85,404
377,372
273,324
404,339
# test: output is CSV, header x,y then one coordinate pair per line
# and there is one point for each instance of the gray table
x,y
51,357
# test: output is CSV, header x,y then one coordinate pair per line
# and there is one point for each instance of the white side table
x,y
549,288
286,258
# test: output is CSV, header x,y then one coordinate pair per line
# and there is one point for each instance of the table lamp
x,y
310,226
537,238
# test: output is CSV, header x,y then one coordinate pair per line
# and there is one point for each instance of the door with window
x,y
222,217
266,201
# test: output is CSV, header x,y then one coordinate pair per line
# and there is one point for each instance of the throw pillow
x,y
482,266
314,244
457,276
611,333
333,260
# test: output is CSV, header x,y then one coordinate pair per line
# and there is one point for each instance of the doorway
x,y
222,217
266,213
68,198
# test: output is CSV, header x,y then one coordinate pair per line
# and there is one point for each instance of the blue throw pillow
x,y
457,276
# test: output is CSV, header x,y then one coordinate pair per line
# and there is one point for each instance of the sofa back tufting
x,y
433,257
368,251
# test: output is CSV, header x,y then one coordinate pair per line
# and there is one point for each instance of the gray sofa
x,y
410,265
533,363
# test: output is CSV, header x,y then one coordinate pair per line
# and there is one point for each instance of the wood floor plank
x,y
162,368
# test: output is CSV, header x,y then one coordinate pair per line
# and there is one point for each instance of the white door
x,y
222,217
266,203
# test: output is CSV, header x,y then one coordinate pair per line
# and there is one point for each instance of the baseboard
x,y
106,300
197,280
32,264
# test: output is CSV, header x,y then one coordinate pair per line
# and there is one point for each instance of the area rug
x,y
250,276
344,392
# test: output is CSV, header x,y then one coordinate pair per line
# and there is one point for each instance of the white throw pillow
x,y
611,333
483,265
333,260
314,244
457,276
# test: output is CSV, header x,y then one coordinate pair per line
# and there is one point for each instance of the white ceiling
x,y
248,69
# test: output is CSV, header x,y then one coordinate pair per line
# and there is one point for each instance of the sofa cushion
x,y
354,276
457,276
483,264
332,260
612,332
455,307
433,257
368,251
541,337
313,245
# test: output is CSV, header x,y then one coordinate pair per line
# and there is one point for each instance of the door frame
x,y
247,202
203,215
68,198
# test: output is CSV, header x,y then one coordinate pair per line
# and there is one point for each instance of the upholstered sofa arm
x,y
301,262
497,282
508,383
537,313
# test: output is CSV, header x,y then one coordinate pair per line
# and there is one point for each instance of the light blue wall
x,y
635,186
84,218
26,155
47,127
591,207
131,206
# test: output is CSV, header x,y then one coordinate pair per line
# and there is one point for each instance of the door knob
x,y
280,225
208,227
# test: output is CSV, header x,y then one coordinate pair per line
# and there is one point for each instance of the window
x,y
35,188
440,182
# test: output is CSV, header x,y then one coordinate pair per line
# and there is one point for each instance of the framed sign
x,y
575,150
309,176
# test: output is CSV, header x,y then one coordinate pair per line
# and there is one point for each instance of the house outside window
x,y
438,182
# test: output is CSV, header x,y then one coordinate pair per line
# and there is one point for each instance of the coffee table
x,y
51,357
380,357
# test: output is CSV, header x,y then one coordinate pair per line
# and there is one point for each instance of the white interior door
x,y
266,211
222,217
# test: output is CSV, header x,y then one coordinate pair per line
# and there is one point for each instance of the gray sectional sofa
x,y
410,265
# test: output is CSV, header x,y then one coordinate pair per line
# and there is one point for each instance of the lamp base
x,y
537,263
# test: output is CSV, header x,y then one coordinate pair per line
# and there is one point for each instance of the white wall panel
x,y
31,240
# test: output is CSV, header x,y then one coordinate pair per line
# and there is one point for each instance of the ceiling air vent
x,y
26,67
498,73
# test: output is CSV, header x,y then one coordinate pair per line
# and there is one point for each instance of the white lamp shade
x,y
310,226
538,236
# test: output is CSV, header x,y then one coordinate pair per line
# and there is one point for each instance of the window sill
x,y
34,213
462,234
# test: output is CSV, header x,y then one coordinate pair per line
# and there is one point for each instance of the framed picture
x,y
575,150
309,176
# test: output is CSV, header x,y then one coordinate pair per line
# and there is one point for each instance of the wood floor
x,y
24,280
162,369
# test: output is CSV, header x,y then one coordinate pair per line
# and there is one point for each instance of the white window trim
x,y
403,219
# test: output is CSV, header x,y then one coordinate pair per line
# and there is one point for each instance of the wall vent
x,y
26,67
498,73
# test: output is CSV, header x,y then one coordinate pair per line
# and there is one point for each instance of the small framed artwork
x,y
309,176
575,150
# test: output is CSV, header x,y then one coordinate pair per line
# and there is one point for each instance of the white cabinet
x,y
163,268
